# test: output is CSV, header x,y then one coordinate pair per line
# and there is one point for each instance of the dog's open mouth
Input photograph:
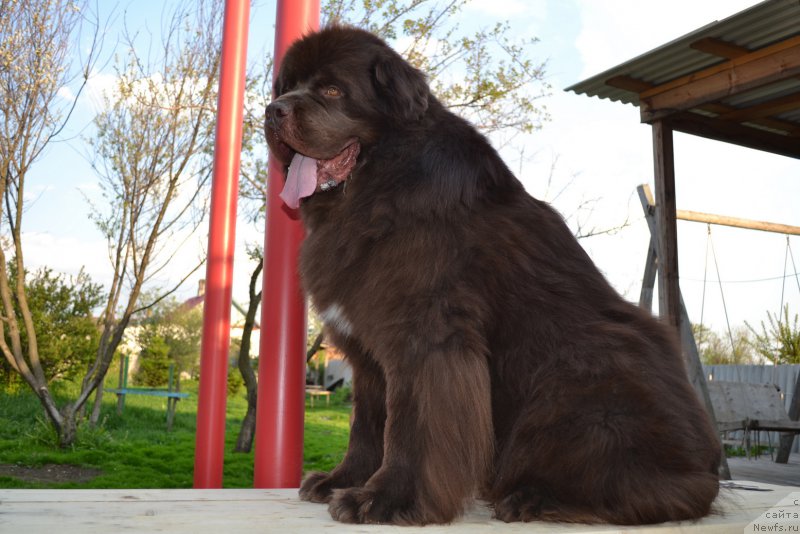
x,y
308,175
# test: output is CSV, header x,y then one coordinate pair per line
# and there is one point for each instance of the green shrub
x,y
235,381
343,395
736,451
153,364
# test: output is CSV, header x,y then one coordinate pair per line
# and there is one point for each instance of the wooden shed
x,y
736,80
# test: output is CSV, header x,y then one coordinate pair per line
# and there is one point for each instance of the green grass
x,y
134,450
735,451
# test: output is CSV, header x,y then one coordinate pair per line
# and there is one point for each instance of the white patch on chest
x,y
333,317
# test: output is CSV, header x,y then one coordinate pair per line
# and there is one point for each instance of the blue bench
x,y
172,395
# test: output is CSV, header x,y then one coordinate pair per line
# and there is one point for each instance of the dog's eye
x,y
332,91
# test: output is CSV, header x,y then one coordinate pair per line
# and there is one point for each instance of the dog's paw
x,y
351,505
362,505
522,505
365,505
317,487
396,506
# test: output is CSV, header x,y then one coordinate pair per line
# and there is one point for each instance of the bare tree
x,y
153,146
580,214
484,76
244,443
152,154
41,55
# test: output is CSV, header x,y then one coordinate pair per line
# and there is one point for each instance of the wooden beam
x,y
719,48
651,263
772,107
776,50
736,222
791,129
764,66
668,289
649,278
732,132
634,85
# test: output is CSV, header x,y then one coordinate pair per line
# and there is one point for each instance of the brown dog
x,y
490,357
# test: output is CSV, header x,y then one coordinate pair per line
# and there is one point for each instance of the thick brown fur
x,y
490,356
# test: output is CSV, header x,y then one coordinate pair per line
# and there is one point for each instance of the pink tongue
x,y
301,181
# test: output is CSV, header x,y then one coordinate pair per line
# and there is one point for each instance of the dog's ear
x,y
404,89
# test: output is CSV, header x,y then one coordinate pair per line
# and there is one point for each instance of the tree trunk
x,y
244,443
314,347
50,408
68,431
98,403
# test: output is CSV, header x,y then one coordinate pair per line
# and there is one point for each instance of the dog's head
x,y
337,90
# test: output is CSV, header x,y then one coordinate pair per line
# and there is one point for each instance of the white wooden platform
x,y
253,511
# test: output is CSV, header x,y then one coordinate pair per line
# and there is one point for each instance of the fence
x,y
783,376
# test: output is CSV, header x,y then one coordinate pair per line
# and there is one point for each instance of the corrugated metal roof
x,y
752,98
756,27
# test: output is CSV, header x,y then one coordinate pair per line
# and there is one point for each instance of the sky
x,y
592,148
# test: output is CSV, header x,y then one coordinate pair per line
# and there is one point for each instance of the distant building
x,y
337,370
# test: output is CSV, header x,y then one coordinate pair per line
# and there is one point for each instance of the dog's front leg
x,y
365,449
437,441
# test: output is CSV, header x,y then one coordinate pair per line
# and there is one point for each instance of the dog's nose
x,y
276,112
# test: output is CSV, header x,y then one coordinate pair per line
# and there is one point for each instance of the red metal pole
x,y
281,371
210,437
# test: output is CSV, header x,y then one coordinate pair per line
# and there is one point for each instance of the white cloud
x,y
100,86
70,254
67,255
65,93
33,193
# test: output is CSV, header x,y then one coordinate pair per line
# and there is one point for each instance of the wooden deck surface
x,y
252,511
763,469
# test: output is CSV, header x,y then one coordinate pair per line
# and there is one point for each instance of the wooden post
x,y
668,289
694,366
171,401
651,264
122,384
649,278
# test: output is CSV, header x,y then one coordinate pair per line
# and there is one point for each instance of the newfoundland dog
x,y
490,357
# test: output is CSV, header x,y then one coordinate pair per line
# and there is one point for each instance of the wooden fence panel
x,y
783,376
